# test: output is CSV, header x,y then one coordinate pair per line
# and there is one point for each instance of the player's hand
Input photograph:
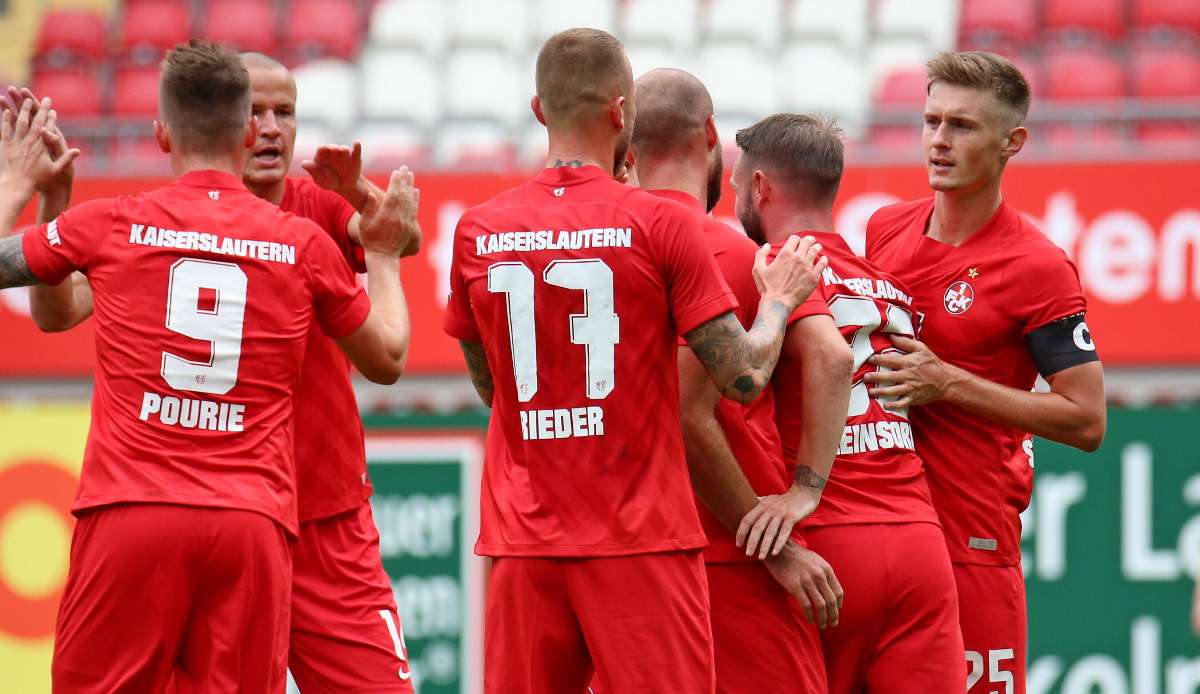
x,y
56,143
915,377
794,273
771,521
389,225
24,155
811,581
337,168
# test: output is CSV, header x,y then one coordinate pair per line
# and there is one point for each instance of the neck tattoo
x,y
573,164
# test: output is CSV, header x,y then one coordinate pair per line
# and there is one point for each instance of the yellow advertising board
x,y
41,451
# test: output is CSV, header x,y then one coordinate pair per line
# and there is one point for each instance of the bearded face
x,y
715,171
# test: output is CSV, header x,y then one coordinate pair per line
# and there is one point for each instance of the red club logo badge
x,y
959,297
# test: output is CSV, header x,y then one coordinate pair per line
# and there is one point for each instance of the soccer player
x,y
204,296
875,522
734,451
1001,304
567,295
345,632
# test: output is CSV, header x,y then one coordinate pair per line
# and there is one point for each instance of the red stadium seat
x,y
318,28
135,93
1103,17
1090,136
1174,133
903,88
71,36
150,27
897,137
1169,14
1165,73
1081,76
75,93
248,25
1011,20
138,155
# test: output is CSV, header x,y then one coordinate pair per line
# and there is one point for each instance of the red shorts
x,y
898,629
346,635
992,600
640,622
761,643
157,590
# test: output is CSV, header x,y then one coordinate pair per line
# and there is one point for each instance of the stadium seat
x,y
646,57
76,93
486,85
670,22
500,24
758,22
247,25
897,140
824,78
552,16
1165,73
1173,15
475,147
844,22
890,55
410,23
150,27
903,88
532,147
740,78
1082,75
1101,17
135,93
1174,134
387,146
321,28
991,21
402,85
933,21
328,92
1092,138
71,37
138,156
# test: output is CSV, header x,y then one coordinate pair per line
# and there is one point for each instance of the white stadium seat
x,y
309,136
498,23
889,55
552,16
741,79
403,86
532,146
825,78
843,21
387,145
933,21
410,23
670,22
475,146
329,92
755,21
486,85
646,57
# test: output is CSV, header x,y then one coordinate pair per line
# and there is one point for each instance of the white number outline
x,y
995,674
853,310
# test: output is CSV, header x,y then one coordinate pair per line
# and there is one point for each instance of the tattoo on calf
x,y
807,477
14,271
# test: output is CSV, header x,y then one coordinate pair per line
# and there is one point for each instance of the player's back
x,y
877,476
203,296
577,286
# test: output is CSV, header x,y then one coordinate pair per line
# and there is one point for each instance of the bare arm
x,y
1073,412
59,307
481,372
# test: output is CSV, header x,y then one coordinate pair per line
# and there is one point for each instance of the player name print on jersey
x,y
549,240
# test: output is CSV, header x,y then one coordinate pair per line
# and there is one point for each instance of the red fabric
x,y
331,461
761,639
877,477
898,629
642,623
993,620
341,639
616,483
980,474
140,450
157,591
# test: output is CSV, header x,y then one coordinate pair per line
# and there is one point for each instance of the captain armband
x,y
1061,344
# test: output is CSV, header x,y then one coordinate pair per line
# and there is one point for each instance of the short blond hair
x,y
579,69
984,71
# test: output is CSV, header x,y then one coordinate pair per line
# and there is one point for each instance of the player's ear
x,y
711,139
616,112
1016,140
536,104
760,187
251,132
162,137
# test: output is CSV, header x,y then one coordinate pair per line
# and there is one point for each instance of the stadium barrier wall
x,y
1110,542
1133,230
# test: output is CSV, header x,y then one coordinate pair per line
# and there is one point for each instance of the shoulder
x,y
894,217
1032,251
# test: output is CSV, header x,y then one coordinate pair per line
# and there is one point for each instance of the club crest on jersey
x,y
959,297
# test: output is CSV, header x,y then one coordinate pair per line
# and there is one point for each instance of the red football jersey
x,y
877,476
331,460
749,429
979,301
577,287
204,295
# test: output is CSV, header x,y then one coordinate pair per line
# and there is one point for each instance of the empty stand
x,y
404,87
321,28
741,79
328,92
1082,76
1104,18
825,78
1170,15
414,24
669,22
757,22
475,146
247,25
502,24
71,37
551,16
1165,73
844,22
135,93
149,27
991,22
932,21
485,85
75,92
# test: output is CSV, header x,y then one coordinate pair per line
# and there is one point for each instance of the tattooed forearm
x,y
14,272
741,362
808,477
481,373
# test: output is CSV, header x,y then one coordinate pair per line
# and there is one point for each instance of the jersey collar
x,y
828,239
678,196
210,178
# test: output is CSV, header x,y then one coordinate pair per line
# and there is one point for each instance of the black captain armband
x,y
1061,344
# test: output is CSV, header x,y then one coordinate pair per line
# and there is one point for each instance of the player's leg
x,y
760,642
646,621
236,637
126,599
919,649
346,636
533,643
991,602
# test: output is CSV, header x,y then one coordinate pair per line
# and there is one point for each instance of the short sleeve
x,y
335,214
1049,290
696,290
340,303
69,243
459,320
815,305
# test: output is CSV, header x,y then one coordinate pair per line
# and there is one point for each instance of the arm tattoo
x,y
14,272
739,361
481,373
807,477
